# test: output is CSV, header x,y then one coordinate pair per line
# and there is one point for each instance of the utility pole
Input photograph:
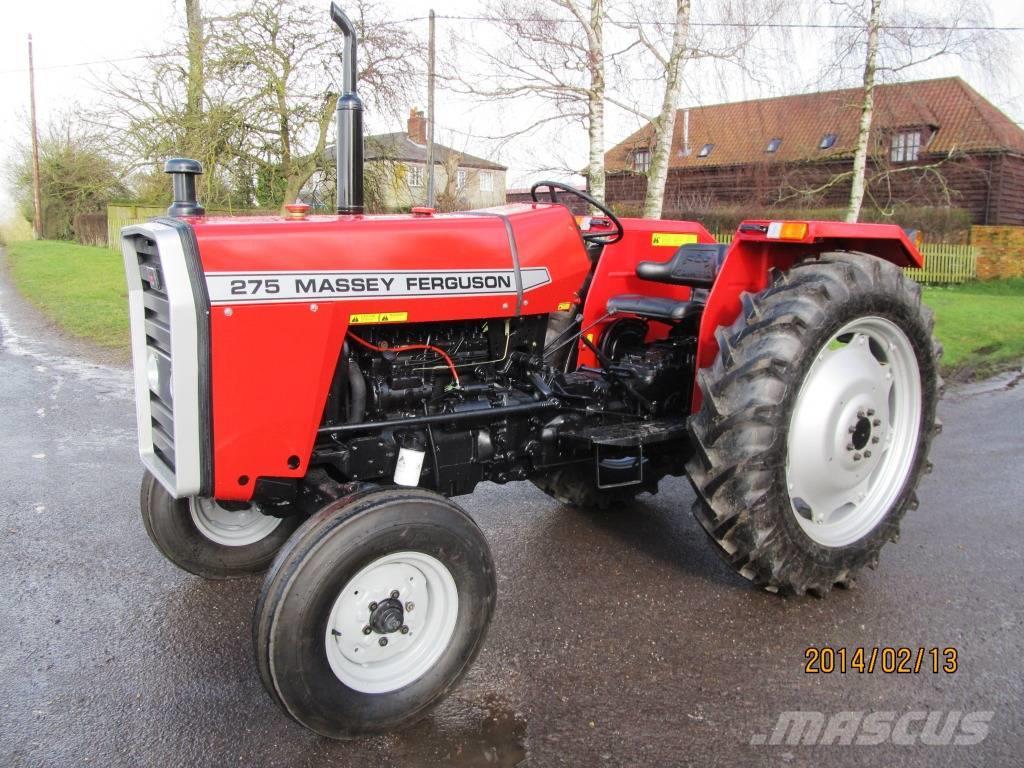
x,y
36,201
430,111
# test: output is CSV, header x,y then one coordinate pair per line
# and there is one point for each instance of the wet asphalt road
x,y
619,639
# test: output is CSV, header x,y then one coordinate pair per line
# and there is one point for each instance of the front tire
x,y
209,539
816,421
373,611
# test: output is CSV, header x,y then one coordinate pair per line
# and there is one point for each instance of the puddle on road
x,y
484,734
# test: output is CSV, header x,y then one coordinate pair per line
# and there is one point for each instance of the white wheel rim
x,y
853,433
430,605
229,527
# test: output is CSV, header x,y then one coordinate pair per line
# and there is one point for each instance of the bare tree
x,y
729,29
258,107
552,54
885,38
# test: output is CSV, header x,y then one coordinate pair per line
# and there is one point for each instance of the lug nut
x,y
382,642
394,593
876,423
367,630
373,606
409,606
404,630
871,411
860,414
867,454
875,439
849,446
856,457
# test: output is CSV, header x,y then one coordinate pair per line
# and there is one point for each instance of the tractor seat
x,y
694,264
654,307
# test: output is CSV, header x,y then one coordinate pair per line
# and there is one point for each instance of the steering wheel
x,y
602,238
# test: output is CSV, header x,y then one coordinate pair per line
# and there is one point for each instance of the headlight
x,y
153,371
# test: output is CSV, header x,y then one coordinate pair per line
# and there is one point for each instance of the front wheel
x,y
210,539
374,611
816,422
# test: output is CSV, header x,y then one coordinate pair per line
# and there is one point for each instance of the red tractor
x,y
313,390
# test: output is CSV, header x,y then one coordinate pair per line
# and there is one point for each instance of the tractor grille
x,y
157,324
169,315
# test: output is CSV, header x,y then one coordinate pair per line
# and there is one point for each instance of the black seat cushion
x,y
653,307
694,264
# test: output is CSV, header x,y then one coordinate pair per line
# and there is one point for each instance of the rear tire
x,y
373,611
207,539
816,421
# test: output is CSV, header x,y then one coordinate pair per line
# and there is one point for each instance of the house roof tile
x,y
741,131
398,146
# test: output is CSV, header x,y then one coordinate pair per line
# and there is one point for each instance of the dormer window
x,y
828,141
905,146
642,160
773,145
705,150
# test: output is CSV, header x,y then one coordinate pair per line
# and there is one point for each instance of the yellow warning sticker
x,y
673,239
378,317
564,306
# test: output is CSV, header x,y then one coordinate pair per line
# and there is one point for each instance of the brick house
x,y
399,162
934,142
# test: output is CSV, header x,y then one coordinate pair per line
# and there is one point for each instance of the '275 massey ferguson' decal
x,y
248,287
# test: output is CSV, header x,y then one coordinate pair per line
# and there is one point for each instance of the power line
x,y
72,64
722,24
765,25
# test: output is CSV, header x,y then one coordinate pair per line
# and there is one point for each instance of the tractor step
x,y
630,433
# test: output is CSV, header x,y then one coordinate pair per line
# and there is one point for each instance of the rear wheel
x,y
374,611
210,539
816,421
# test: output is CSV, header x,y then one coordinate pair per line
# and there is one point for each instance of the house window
x,y
828,141
705,150
460,178
773,145
642,160
905,147
415,175
486,181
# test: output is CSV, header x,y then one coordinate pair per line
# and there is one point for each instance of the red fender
x,y
752,254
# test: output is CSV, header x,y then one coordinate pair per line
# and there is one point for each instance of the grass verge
x,y
82,290
78,287
981,326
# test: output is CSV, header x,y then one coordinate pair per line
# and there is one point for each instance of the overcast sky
x,y
77,43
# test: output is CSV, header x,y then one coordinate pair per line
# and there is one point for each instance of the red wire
x,y
410,348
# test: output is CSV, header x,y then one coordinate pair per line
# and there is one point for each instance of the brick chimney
x,y
417,126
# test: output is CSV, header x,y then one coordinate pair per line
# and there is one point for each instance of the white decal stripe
x,y
265,287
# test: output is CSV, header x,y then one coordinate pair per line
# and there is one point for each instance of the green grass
x,y
80,288
981,325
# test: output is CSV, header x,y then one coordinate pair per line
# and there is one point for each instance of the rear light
x,y
916,236
787,230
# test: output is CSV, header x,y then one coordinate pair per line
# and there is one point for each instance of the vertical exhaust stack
x,y
349,123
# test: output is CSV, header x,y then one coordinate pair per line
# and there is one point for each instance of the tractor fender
x,y
753,254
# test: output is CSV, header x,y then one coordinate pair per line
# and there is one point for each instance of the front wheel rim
x,y
391,622
854,431
229,527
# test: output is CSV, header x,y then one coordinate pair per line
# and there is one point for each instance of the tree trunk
x,y
860,158
595,101
665,123
194,86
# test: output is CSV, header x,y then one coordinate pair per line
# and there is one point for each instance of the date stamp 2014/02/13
x,y
899,660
